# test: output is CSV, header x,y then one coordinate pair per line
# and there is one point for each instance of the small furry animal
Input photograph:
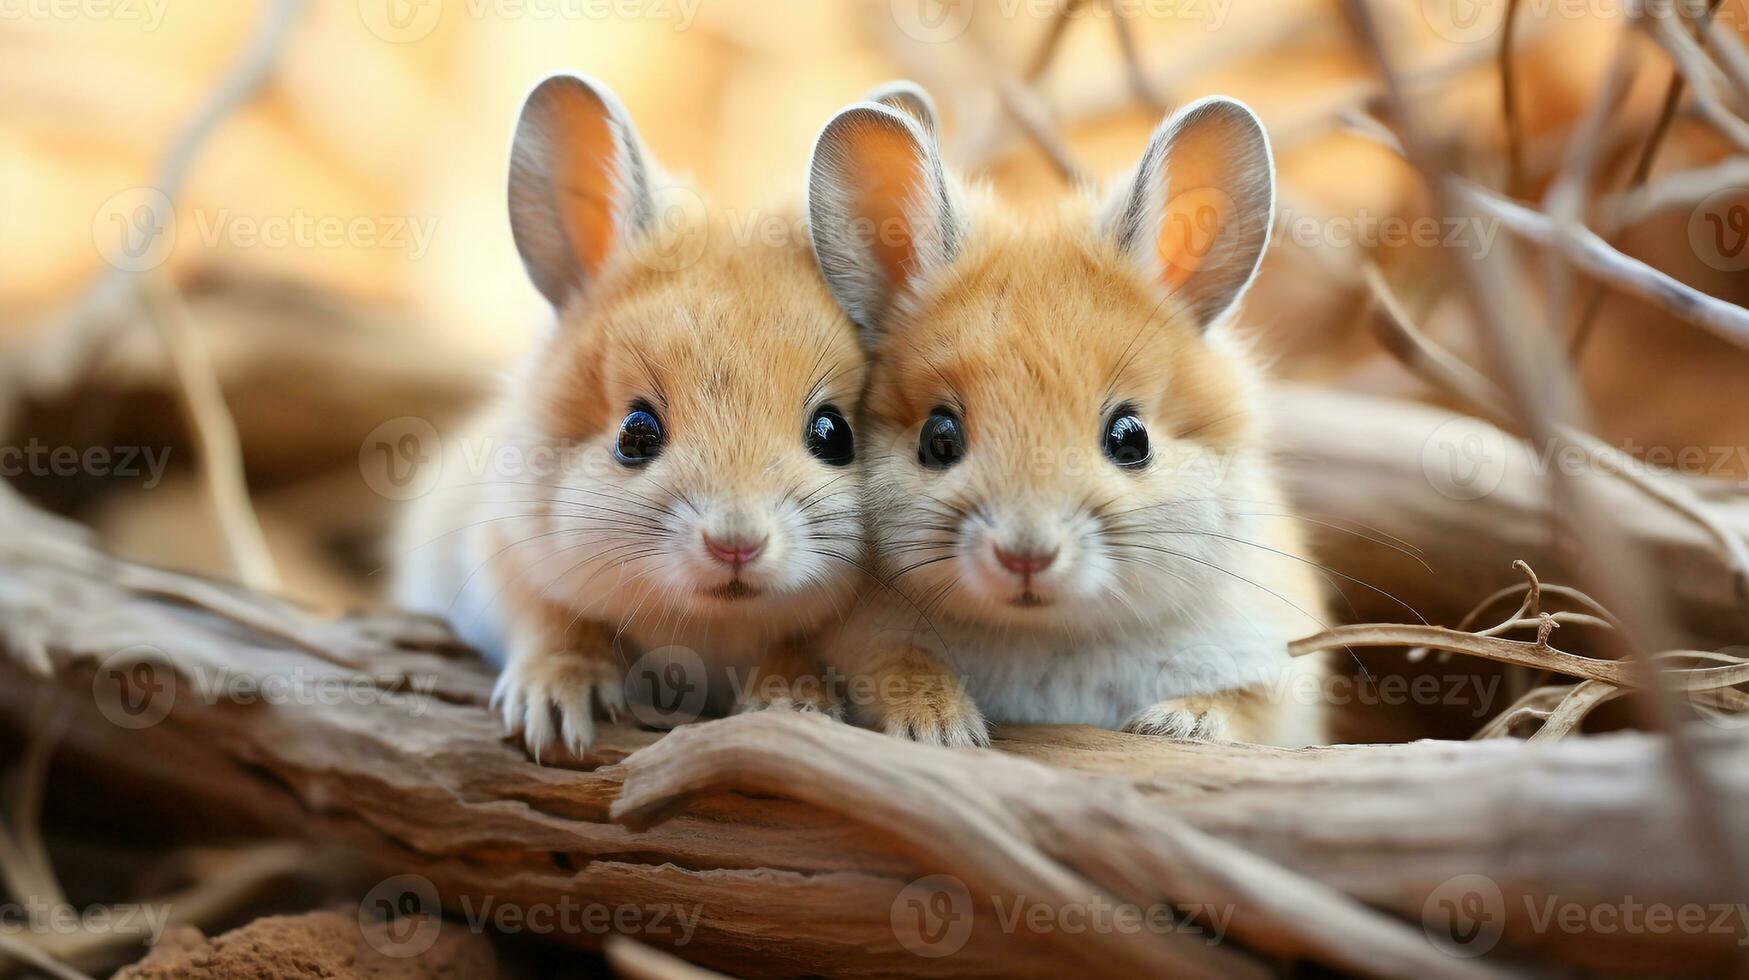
x,y
1067,483
673,465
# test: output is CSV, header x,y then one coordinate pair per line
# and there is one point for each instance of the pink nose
x,y
733,552
1025,563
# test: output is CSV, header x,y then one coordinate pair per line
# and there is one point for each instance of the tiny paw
x,y
1191,719
936,717
556,695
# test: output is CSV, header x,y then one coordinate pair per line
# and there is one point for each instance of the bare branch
x,y
1672,191
1509,103
215,432
1594,256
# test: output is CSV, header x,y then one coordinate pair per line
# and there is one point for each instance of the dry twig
x,y
1561,709
1509,103
1593,255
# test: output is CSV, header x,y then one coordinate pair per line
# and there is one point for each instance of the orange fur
x,y
1050,580
735,350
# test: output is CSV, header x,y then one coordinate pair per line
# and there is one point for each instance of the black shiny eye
x,y
640,436
942,442
1126,439
829,437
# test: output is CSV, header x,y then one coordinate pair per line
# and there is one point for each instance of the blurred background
x,y
304,203
245,246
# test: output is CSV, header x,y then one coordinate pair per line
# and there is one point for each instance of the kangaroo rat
x,y
672,468
1066,476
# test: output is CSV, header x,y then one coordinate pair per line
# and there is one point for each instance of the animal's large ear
x,y
579,184
911,99
881,210
1197,212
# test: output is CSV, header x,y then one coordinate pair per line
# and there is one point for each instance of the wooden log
x,y
795,845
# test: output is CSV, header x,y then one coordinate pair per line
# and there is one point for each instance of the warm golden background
x,y
396,114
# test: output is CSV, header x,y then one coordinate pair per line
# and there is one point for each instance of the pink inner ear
x,y
586,164
1190,233
889,179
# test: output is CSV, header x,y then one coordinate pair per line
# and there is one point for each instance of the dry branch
x,y
1591,253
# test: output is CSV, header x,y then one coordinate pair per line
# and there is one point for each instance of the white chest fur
x,y
1020,679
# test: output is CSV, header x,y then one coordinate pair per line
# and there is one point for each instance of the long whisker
x,y
1285,554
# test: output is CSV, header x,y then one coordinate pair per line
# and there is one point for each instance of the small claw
x,y
507,696
577,726
538,725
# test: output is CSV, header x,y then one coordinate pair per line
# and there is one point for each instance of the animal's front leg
x,y
554,681
910,693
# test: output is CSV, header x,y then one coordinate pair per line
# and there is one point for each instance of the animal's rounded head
x,y
699,385
1061,430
